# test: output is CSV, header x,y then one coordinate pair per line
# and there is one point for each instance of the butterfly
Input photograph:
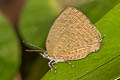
x,y
71,37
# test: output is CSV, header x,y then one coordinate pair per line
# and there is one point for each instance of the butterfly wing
x,y
72,36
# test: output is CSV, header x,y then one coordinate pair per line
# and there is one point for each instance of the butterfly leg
x,y
70,64
102,43
103,36
49,64
53,65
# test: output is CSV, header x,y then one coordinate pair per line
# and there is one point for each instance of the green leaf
x,y
38,16
102,65
9,50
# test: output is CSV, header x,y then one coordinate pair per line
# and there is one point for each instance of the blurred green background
x,y
33,26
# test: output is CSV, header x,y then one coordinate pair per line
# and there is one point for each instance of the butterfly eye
x,y
46,55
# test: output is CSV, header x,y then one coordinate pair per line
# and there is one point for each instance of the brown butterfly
x,y
71,37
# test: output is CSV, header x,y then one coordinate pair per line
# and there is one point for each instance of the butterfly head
x,y
45,54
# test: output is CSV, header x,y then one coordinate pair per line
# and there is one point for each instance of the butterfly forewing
x,y
72,36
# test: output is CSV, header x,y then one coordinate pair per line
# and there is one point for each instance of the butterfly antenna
x,y
40,49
